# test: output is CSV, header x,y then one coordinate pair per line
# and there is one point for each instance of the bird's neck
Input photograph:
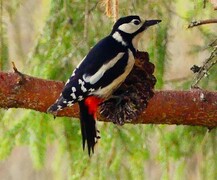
x,y
126,40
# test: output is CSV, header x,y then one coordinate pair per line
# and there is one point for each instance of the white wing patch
x,y
73,93
82,83
80,98
59,107
91,90
105,67
70,103
105,92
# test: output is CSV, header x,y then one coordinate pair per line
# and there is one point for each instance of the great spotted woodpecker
x,y
101,72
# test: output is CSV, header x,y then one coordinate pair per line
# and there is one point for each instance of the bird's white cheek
x,y
128,28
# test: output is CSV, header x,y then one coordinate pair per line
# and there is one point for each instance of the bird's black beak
x,y
148,23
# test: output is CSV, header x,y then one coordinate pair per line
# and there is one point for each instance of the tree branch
x,y
204,69
202,22
195,107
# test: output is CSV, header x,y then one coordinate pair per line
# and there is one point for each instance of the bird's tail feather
x,y
88,127
57,106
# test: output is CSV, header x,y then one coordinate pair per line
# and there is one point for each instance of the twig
x,y
203,71
213,44
14,67
19,73
202,22
93,7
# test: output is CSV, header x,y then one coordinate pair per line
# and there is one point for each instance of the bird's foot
x,y
119,98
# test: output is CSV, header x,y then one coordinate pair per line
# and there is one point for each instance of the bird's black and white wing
x,y
98,73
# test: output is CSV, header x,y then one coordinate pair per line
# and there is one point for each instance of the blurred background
x,y
47,38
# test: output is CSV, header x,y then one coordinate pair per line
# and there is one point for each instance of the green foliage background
x,y
128,152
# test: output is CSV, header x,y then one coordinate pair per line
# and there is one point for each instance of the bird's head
x,y
130,28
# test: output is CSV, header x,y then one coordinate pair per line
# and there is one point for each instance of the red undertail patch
x,y
92,103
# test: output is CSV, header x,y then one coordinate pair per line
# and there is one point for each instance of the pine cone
x,y
134,93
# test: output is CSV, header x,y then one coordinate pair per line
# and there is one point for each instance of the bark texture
x,y
194,107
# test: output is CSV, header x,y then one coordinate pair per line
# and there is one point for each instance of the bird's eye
x,y
136,22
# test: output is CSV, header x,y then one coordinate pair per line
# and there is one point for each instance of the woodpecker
x,y
100,73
